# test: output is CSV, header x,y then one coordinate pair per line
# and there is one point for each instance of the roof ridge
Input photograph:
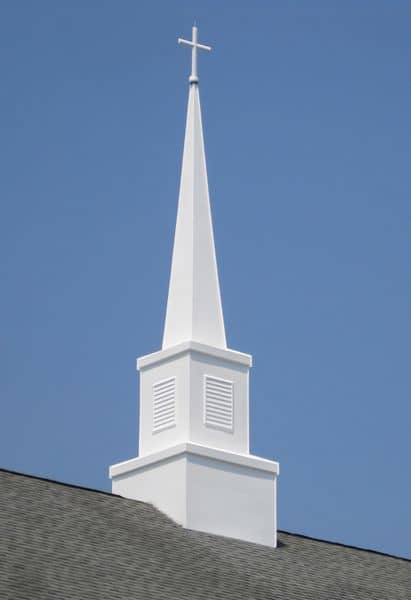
x,y
314,539
64,483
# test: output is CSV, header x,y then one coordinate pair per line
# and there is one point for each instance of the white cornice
x,y
244,460
184,347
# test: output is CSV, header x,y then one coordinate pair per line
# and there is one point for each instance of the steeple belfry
x,y
194,459
194,310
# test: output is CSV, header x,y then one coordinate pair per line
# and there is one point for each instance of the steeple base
x,y
206,489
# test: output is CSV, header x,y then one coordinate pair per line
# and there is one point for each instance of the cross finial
x,y
194,45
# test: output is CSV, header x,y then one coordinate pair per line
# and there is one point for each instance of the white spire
x,y
194,309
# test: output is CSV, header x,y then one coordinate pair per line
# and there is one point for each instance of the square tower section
x,y
194,393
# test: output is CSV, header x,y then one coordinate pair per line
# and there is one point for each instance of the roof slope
x,y
59,541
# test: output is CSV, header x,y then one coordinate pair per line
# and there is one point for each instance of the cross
x,y
194,45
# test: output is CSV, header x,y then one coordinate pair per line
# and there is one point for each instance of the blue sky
x,y
306,109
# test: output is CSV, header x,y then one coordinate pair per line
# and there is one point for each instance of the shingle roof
x,y
59,541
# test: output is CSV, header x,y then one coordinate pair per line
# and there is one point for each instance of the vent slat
x,y
218,403
216,384
162,397
163,410
168,402
164,391
217,411
218,399
219,386
165,399
160,405
162,384
220,392
219,417
164,404
164,387
219,408
223,392
163,421
219,422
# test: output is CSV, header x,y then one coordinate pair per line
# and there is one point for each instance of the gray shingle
x,y
59,541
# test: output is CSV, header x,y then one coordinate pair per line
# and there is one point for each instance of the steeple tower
x,y
194,462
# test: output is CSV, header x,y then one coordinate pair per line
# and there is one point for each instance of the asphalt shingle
x,y
63,542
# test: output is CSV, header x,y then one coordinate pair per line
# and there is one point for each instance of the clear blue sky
x,y
306,108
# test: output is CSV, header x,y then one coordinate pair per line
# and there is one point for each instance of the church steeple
x,y
194,309
194,459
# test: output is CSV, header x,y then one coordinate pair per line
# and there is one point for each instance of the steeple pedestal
x,y
206,489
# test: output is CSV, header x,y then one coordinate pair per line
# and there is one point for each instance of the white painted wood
x,y
190,364
194,458
194,310
245,460
164,404
206,489
227,355
218,403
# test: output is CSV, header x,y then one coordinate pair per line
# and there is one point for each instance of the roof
x,y
59,541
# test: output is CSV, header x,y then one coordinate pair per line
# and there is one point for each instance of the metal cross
x,y
194,45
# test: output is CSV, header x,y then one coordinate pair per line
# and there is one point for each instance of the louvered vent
x,y
164,404
218,403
